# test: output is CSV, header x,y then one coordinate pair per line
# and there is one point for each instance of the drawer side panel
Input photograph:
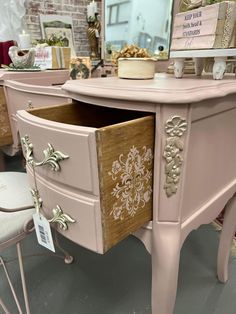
x,y
125,159
5,128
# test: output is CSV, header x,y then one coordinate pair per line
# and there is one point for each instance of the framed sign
x,y
58,25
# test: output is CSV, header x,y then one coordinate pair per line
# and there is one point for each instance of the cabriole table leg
x,y
165,266
227,234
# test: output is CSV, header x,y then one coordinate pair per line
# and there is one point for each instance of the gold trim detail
x,y
51,157
175,128
60,218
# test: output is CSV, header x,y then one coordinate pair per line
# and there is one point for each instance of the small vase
x,y
136,68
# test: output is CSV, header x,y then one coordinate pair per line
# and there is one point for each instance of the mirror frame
x,y
172,11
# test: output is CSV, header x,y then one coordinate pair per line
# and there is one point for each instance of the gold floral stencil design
x,y
4,125
133,182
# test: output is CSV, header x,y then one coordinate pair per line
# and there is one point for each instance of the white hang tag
x,y
43,232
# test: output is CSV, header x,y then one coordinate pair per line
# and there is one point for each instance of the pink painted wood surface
x,y
49,77
159,90
209,108
75,141
228,231
86,231
24,91
207,177
24,96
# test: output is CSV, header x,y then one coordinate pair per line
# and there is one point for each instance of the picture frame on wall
x,y
58,25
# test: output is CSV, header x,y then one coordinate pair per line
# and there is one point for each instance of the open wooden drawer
x,y
97,152
5,128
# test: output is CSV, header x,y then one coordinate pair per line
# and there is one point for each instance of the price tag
x,y
43,232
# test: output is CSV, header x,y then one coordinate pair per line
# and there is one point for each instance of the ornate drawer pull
x,y
51,157
58,216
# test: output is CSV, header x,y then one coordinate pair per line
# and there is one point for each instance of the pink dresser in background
x,y
21,90
151,157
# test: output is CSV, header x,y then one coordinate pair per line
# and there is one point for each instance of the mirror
x,y
145,23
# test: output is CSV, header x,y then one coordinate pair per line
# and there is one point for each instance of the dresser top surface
x,y
163,89
12,75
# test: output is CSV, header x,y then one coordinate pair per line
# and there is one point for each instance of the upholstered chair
x,y
16,210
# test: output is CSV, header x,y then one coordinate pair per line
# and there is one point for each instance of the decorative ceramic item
x,y
134,63
21,59
136,68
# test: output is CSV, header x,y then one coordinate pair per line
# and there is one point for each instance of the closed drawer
x,y
110,156
5,128
85,211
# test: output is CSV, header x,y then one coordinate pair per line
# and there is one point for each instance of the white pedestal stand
x,y
219,55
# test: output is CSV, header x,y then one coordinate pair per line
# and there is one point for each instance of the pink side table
x,y
194,164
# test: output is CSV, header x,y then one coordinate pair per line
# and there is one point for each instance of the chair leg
x,y
11,286
68,259
23,278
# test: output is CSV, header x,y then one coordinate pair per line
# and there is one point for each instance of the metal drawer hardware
x,y
58,216
30,106
51,157
38,202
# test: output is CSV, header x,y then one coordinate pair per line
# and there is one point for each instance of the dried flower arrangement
x,y
130,51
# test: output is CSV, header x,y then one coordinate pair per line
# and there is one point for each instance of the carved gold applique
x,y
133,182
51,157
60,218
175,128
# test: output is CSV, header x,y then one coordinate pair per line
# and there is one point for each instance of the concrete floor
x,y
119,282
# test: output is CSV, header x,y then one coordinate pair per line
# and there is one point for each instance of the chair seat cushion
x,y
14,191
12,224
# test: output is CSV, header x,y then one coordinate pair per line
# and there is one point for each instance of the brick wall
x,y
75,8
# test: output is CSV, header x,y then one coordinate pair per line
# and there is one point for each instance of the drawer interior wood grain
x,y
5,128
88,115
